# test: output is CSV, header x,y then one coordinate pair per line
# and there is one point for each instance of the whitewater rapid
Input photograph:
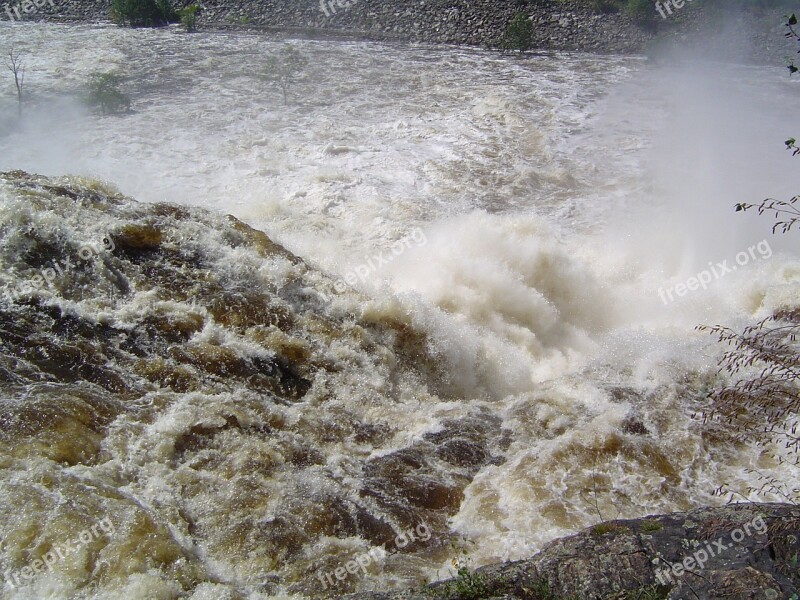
x,y
524,212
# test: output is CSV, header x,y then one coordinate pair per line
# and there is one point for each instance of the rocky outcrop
x,y
738,552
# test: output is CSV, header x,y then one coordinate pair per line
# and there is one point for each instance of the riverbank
x,y
755,35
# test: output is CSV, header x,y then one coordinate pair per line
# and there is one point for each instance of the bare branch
x,y
17,68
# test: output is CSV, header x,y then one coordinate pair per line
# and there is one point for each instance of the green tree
x,y
285,68
142,13
104,93
518,34
643,11
604,6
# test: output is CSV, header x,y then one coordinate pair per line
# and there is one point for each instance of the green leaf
x,y
793,20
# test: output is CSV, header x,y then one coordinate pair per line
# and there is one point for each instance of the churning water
x,y
493,341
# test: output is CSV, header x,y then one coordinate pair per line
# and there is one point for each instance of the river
x,y
540,219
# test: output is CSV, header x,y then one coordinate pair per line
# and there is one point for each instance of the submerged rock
x,y
219,400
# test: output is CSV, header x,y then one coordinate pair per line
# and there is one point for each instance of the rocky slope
x,y
565,25
558,24
739,552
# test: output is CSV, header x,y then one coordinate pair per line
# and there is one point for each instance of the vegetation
x,y
285,68
759,4
781,209
652,592
643,11
241,20
18,70
519,34
604,6
646,8
472,585
104,93
541,591
467,585
764,405
650,525
604,528
188,16
142,13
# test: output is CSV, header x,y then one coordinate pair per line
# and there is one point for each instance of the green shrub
x,y
467,585
604,6
604,528
142,13
104,92
650,525
519,34
643,11
188,17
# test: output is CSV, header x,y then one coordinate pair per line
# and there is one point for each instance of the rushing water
x,y
528,218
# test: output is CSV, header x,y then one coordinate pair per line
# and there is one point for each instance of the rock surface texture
x,y
738,552
756,35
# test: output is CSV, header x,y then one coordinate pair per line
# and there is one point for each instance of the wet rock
x,y
408,483
633,426
137,238
746,551
190,359
243,234
64,424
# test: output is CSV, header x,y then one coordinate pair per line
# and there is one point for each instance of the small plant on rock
x,y
467,585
